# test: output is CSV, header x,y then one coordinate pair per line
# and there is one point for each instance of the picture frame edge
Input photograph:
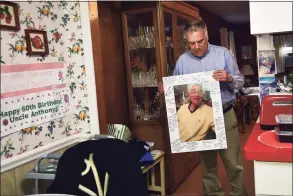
x,y
29,46
16,17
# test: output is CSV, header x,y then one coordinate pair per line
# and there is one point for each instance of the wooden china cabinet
x,y
153,41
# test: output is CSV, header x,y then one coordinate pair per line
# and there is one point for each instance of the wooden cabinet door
x,y
142,64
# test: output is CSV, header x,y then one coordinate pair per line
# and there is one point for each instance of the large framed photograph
x,y
194,112
9,18
37,42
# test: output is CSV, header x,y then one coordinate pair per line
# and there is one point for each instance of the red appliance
x,y
273,105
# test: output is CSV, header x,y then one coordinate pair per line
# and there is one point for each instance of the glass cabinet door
x,y
169,45
143,66
180,37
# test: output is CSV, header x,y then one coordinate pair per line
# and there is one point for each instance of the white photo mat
x,y
197,78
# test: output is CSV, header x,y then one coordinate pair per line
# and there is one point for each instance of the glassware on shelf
x,y
144,38
155,109
169,42
144,79
148,81
149,32
141,41
133,78
133,43
146,116
153,76
143,112
180,37
138,112
138,79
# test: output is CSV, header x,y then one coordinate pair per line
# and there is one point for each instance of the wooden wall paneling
x,y
184,16
116,5
135,5
98,63
138,11
115,85
188,6
182,8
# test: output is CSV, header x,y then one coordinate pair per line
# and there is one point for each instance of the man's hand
x,y
160,87
222,76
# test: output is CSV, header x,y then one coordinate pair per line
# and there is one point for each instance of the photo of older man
x,y
195,118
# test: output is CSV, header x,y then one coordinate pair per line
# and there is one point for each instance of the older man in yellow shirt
x,y
195,119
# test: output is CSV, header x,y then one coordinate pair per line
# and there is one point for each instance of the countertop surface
x,y
255,150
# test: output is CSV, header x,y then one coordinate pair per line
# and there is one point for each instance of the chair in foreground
x,y
83,168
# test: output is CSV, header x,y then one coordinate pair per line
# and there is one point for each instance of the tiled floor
x,y
192,185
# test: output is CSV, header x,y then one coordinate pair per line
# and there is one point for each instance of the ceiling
x,y
235,12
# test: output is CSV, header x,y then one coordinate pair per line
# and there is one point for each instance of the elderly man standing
x,y
195,119
202,57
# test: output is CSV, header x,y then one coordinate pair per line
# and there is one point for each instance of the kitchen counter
x,y
272,166
255,150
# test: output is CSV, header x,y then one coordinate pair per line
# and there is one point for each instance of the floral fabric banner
x,y
32,94
62,22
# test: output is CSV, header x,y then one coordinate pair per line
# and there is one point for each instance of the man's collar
x,y
209,47
195,108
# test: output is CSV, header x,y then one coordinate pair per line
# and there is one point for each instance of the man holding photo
x,y
202,57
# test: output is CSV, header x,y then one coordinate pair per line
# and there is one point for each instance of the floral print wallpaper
x,y
62,22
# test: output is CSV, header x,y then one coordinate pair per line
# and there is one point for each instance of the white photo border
x,y
176,145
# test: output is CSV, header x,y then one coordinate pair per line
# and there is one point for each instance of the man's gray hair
x,y
190,87
195,25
